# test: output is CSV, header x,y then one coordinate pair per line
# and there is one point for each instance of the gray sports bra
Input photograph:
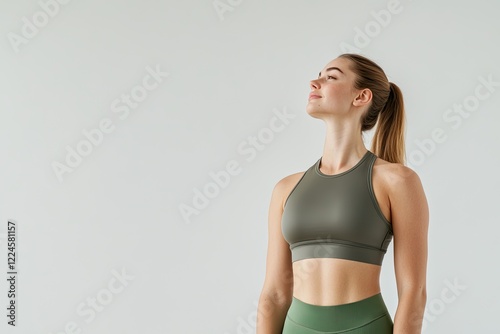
x,y
336,216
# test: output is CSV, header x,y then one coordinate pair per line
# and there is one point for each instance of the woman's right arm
x,y
277,291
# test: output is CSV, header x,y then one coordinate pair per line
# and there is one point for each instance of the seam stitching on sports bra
x,y
372,193
385,238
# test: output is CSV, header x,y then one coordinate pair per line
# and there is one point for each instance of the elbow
x,y
276,297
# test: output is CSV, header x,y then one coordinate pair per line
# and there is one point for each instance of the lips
x,y
314,96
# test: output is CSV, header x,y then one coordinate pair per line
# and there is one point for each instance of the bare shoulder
x,y
285,186
394,173
400,181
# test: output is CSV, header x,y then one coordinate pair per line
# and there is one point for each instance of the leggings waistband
x,y
337,317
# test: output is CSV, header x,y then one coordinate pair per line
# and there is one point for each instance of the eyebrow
x,y
331,68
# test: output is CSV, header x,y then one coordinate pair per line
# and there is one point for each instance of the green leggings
x,y
366,316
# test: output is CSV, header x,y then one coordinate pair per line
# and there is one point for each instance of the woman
x,y
330,226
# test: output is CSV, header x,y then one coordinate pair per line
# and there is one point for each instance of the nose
x,y
314,84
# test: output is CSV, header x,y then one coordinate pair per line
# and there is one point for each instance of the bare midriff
x,y
331,281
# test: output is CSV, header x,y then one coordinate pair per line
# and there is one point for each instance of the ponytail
x,y
389,140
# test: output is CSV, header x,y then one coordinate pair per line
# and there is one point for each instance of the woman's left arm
x,y
410,222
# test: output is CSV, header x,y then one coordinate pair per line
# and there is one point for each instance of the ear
x,y
363,98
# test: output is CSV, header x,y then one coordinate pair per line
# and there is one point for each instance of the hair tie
x,y
391,92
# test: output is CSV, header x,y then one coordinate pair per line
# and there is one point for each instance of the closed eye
x,y
329,76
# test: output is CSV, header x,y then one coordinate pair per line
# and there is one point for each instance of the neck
x,y
343,147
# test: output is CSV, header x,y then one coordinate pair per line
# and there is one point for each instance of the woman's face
x,y
335,88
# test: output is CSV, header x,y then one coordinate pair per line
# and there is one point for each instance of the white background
x,y
228,72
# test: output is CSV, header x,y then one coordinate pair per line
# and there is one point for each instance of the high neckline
x,y
320,173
